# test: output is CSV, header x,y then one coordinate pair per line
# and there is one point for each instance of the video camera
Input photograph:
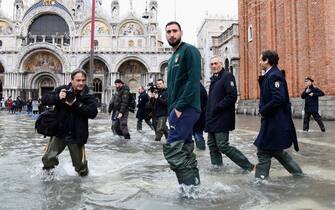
x,y
152,87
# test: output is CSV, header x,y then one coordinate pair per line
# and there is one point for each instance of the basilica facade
x,y
43,41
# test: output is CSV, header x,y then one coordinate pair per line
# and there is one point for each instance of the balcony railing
x,y
58,40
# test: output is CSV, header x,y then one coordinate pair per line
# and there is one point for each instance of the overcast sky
x,y
190,13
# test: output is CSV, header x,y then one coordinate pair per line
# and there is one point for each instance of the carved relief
x,y
48,2
42,61
131,43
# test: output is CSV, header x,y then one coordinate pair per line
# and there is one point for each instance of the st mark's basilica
x,y
42,41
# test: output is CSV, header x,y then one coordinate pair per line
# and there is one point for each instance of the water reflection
x,y
134,174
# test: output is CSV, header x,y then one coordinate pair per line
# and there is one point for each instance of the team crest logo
x,y
232,84
277,84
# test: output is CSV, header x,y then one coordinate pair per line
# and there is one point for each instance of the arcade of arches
x,y
50,41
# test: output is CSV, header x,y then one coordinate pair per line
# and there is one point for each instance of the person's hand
x,y
311,94
119,115
156,95
178,113
62,94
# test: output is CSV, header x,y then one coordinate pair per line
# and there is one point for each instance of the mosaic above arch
x,y
132,67
42,61
5,28
99,28
99,66
131,29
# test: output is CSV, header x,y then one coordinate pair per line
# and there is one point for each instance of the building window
x,y
226,64
97,85
250,35
96,44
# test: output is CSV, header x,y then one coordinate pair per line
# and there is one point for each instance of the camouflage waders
x,y
219,143
264,163
77,152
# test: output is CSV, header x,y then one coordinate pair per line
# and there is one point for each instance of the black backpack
x,y
47,123
132,102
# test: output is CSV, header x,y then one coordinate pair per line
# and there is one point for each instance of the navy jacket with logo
x,y
220,113
277,130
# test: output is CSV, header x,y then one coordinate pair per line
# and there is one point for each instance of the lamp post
x,y
91,70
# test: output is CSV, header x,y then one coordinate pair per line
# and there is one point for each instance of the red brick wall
x,y
302,32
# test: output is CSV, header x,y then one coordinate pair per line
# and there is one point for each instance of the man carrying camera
x,y
74,105
158,99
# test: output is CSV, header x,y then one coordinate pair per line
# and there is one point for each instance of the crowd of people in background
x,y
18,105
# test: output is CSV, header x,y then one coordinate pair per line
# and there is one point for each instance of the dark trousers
x,y
264,163
316,117
160,126
147,121
120,126
77,153
219,143
178,150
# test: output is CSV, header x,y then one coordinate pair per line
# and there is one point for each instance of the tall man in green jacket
x,y
183,105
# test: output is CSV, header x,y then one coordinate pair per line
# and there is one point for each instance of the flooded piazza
x,y
133,174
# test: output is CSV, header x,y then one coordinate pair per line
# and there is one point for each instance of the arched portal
x,y
100,81
42,85
133,72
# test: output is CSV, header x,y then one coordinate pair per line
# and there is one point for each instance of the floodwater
x,y
133,174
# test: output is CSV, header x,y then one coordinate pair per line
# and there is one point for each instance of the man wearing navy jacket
x,y
220,116
311,95
277,131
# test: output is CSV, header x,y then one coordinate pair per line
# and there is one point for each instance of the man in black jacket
x,y
142,109
220,116
74,106
158,100
121,107
311,95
